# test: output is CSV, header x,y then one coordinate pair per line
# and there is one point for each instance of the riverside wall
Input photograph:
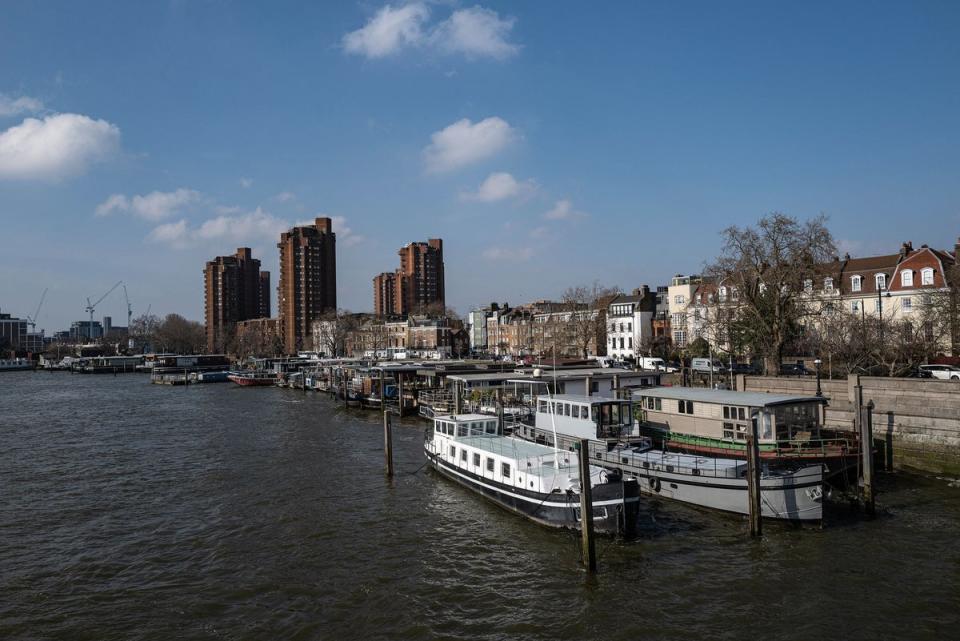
x,y
916,422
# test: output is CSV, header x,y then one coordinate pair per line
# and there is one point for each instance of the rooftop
x,y
728,397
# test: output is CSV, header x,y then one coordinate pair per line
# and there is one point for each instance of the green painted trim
x,y
689,439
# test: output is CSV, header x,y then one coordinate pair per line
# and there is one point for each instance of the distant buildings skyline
x,y
417,284
234,289
308,280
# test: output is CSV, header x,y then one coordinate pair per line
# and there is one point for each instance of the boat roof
x,y
457,418
728,397
508,446
582,398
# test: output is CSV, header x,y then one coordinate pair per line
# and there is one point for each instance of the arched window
x,y
856,283
906,278
926,276
881,281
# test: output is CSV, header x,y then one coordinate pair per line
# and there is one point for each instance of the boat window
x,y
682,407
476,460
727,429
658,404
584,412
741,432
461,429
741,414
726,412
436,427
453,452
463,455
491,427
543,406
490,465
566,409
505,470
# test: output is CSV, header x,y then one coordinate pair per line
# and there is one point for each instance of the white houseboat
x,y
535,481
15,364
789,492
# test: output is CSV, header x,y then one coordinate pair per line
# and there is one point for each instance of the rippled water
x,y
135,511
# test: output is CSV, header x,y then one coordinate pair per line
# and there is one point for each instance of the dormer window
x,y
881,280
926,276
906,278
808,285
856,283
828,284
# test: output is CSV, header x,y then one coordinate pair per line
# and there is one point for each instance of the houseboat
x,y
253,378
535,481
789,492
716,423
15,364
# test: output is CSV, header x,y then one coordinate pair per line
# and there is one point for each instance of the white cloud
x,y
286,196
476,33
514,254
156,205
246,183
55,147
464,143
14,106
500,186
388,31
563,210
345,234
171,233
539,233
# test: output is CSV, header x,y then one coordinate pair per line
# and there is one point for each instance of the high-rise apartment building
x,y
418,283
233,292
308,280
264,295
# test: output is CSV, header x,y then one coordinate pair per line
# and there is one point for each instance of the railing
x,y
797,448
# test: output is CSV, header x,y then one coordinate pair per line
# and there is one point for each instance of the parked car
x,y
945,372
743,368
705,365
794,369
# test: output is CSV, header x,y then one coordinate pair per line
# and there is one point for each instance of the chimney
x,y
904,250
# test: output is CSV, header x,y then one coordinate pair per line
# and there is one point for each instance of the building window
x,y
855,306
926,276
881,280
679,300
856,283
723,294
877,305
828,284
907,304
630,342
629,327
906,278
808,285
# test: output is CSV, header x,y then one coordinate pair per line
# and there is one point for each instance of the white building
x,y
630,323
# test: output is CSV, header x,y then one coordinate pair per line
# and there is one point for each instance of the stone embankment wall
x,y
916,422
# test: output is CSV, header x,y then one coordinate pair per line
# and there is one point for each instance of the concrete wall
x,y
915,421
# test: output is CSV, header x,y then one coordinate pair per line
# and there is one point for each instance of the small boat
x,y
253,378
789,491
534,481
15,364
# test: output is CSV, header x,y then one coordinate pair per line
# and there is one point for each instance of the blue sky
x,y
548,144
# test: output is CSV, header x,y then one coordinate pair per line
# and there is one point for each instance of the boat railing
x,y
797,447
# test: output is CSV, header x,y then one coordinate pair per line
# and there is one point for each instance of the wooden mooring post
x,y
388,442
500,412
753,479
866,453
586,507
400,394
383,392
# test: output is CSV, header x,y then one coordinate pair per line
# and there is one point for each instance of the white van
x,y
652,363
705,365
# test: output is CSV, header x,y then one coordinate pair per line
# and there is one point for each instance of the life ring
x,y
654,483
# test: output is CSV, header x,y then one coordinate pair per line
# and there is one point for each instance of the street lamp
x,y
817,362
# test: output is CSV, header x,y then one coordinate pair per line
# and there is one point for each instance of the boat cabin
x,y
725,416
590,417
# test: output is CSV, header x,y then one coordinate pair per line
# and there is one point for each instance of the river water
x,y
138,511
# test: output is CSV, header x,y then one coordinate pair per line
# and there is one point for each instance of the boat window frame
x,y
463,454
476,459
453,452
491,464
505,470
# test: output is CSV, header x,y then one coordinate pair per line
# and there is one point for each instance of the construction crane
x,y
129,309
32,320
92,306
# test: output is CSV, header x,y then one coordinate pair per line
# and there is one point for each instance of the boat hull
x,y
615,505
251,382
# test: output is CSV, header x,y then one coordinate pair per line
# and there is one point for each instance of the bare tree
x,y
766,267
180,335
584,318
334,330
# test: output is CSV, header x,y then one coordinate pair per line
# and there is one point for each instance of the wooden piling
x,y
866,452
588,383
383,391
500,411
586,507
400,394
388,442
753,480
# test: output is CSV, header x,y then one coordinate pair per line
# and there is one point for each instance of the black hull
x,y
558,510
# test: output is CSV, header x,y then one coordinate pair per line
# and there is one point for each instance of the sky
x,y
548,144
